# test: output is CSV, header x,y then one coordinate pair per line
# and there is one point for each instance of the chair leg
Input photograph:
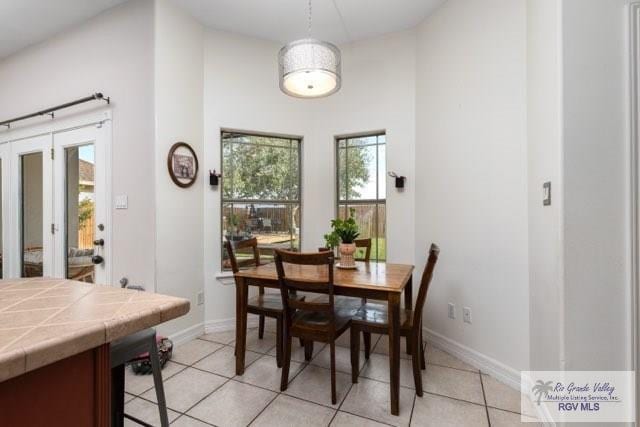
x,y
117,396
409,345
367,344
301,342
279,341
308,350
334,398
284,382
355,354
261,327
423,362
415,359
157,382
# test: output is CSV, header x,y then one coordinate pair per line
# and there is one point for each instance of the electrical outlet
x,y
466,314
452,311
200,298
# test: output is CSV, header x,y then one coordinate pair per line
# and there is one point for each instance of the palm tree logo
x,y
542,388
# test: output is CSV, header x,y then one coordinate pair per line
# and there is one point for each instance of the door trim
x,y
634,122
101,117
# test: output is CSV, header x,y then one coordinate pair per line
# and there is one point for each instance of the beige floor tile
x,y
146,411
265,373
138,384
297,351
186,421
128,397
186,388
345,340
223,337
314,384
342,419
438,357
372,399
438,411
233,404
287,411
194,350
502,396
343,359
223,362
501,418
270,325
264,345
454,383
382,347
377,368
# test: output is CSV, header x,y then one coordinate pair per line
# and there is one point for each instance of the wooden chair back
x,y
366,244
434,252
289,285
242,244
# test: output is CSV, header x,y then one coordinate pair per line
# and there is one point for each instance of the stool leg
x,y
117,396
157,381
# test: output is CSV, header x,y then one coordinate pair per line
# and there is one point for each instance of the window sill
x,y
225,277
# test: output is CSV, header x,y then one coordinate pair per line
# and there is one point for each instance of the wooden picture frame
x,y
182,164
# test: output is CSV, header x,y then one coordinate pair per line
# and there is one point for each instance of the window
x,y
261,188
361,181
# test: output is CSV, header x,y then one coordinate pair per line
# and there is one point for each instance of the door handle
x,y
97,259
98,242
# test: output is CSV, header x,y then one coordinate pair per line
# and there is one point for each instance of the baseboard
x,y
223,325
541,410
488,365
188,334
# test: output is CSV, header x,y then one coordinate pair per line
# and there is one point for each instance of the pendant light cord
x,y
309,18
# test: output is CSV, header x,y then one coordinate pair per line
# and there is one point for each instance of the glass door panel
x,y
80,212
31,194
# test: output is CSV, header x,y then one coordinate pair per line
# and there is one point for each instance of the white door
x,y
80,204
31,237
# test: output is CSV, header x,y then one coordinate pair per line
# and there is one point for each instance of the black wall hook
x,y
399,179
214,177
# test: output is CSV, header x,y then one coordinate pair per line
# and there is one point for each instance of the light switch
x,y
122,201
546,193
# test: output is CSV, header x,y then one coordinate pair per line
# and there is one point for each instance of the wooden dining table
x,y
371,280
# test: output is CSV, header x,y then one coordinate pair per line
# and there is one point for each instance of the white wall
x,y
179,117
241,92
544,126
471,173
596,184
111,53
378,93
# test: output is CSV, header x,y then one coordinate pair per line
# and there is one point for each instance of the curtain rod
x,y
50,111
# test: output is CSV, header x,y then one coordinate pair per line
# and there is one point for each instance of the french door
x,y
54,206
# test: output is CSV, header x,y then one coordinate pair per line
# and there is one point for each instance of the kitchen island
x,y
54,347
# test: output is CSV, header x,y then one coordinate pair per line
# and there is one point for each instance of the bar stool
x,y
123,351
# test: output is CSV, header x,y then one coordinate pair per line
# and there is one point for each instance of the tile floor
x,y
203,390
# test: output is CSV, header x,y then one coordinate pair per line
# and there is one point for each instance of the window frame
x,y
298,201
347,202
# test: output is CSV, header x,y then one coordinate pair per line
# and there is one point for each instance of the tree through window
x,y
361,182
260,192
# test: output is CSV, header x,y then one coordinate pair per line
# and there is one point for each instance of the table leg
x,y
394,350
408,304
241,323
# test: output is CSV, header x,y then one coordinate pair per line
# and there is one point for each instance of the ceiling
x,y
26,22
337,21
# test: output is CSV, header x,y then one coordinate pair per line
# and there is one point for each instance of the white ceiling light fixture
x,y
310,68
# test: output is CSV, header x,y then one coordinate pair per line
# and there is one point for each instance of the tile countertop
x,y
46,320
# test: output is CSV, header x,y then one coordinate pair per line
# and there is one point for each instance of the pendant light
x,y
309,68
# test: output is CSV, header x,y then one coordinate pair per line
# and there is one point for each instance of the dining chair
x,y
313,320
366,244
264,304
373,318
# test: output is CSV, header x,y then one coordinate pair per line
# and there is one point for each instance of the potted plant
x,y
346,231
